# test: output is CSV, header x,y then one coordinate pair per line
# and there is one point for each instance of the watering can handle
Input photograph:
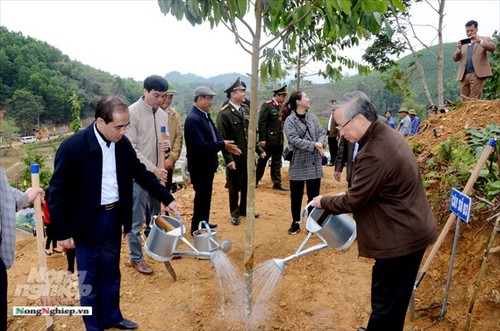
x,y
304,211
205,223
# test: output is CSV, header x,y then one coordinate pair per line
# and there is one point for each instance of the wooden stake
x,y
481,271
490,147
161,164
35,182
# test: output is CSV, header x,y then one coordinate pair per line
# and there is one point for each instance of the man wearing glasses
x,y
387,199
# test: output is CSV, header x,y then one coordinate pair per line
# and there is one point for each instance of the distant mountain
x,y
373,84
175,76
190,79
320,94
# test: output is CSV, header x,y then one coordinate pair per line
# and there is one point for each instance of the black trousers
x,y
297,192
392,285
70,257
333,146
50,237
202,184
170,176
275,153
99,273
237,187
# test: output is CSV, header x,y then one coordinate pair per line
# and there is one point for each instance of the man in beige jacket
x,y
174,132
146,119
474,66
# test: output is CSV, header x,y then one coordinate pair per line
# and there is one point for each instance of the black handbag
x,y
287,154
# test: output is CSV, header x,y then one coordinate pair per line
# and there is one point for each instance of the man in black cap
x,y
203,142
271,138
232,122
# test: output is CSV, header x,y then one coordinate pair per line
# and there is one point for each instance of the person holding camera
x,y
474,66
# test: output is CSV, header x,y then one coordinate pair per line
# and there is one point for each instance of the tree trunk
x,y
299,65
417,63
252,140
440,98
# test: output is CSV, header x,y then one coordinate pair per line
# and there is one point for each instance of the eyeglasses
x,y
340,127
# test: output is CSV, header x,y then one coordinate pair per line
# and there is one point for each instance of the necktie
x,y
240,110
355,151
214,136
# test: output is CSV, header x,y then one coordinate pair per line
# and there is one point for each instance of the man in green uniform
x,y
271,138
232,123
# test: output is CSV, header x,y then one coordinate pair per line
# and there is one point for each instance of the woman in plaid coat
x,y
306,138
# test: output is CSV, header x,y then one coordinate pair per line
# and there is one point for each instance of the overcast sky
x,y
134,39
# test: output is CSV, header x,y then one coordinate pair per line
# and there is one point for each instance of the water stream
x,y
232,291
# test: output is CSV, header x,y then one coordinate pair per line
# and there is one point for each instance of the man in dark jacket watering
x,y
394,220
91,206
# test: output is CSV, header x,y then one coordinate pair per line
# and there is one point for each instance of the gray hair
x,y
355,103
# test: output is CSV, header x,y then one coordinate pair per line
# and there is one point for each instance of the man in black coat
x,y
91,199
203,142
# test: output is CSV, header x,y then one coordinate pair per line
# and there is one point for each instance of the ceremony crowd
x,y
110,178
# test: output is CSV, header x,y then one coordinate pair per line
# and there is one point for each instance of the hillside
x,y
327,290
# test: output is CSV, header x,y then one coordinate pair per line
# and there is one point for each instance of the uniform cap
x,y
281,90
203,91
412,112
237,85
171,90
403,110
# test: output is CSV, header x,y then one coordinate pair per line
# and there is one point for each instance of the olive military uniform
x,y
271,132
233,125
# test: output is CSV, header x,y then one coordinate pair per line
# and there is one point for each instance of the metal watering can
x,y
205,240
336,231
164,237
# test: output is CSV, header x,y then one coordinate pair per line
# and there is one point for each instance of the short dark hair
x,y
471,23
355,103
201,97
109,105
156,82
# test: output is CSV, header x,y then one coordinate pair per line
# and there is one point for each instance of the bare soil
x,y
326,290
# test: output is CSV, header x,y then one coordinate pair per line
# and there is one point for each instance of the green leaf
x,y
165,6
388,29
398,4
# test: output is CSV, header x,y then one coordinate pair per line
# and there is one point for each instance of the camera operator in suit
x,y
474,66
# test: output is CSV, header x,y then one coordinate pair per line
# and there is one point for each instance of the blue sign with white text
x,y
460,205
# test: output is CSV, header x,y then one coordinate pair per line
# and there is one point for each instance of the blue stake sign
x,y
460,205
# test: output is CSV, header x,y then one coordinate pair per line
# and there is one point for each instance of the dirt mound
x,y
474,114
326,290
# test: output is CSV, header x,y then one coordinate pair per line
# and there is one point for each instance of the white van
x,y
28,139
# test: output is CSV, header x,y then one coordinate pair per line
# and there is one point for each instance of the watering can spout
x,y
226,246
280,263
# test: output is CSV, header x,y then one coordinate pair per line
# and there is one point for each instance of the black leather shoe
x,y
279,187
255,214
235,220
212,225
124,325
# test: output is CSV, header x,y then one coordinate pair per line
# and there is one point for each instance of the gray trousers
x,y
141,200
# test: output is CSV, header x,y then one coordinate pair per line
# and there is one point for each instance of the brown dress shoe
x,y
142,267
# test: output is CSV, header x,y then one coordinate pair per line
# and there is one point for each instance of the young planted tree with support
x,y
325,23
